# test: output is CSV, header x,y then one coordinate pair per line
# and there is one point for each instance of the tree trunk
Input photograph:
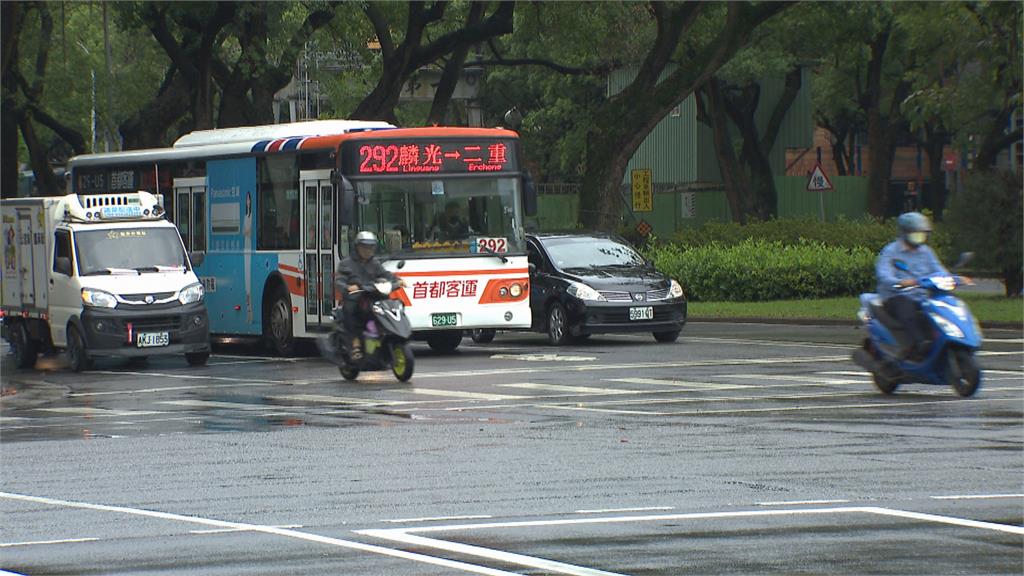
x,y
734,179
9,149
934,146
149,127
46,182
878,141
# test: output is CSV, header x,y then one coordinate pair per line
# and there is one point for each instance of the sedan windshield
x,y
589,252
135,250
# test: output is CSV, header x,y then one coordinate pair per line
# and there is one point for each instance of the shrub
x,y
752,270
986,219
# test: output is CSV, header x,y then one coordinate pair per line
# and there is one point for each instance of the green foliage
x,y
754,270
986,219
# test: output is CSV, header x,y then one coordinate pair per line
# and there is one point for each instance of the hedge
x,y
754,270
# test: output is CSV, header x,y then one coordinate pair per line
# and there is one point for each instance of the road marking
x,y
1006,340
90,411
802,502
463,395
38,542
324,399
613,510
543,358
710,515
576,389
488,553
990,353
439,518
777,343
583,408
286,532
681,384
813,379
227,530
216,404
977,496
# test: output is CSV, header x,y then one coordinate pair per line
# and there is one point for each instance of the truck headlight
x,y
98,298
675,291
190,294
583,292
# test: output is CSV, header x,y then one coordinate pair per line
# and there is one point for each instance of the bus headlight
x,y
515,290
98,298
190,294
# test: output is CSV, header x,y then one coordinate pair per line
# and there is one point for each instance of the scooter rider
x,y
359,268
903,304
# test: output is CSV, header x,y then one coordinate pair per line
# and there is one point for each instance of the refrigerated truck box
x,y
98,275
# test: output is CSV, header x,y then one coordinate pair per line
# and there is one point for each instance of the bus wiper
x,y
492,253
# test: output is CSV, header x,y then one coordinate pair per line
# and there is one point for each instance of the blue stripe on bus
x,y
292,143
260,146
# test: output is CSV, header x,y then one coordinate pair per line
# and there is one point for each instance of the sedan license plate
x,y
642,313
150,339
445,319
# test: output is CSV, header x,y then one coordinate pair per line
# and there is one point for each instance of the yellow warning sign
x,y
643,190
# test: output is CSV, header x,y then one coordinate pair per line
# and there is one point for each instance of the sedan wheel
x,y
558,325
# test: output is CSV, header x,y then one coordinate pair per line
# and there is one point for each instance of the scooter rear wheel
x,y
885,385
402,361
348,372
962,372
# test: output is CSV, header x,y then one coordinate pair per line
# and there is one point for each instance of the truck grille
x,y
155,323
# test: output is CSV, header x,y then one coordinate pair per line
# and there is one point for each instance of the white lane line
x,y
216,404
543,357
717,515
39,542
227,530
777,343
802,502
576,389
488,553
977,496
816,380
681,384
991,353
286,532
324,399
614,510
1006,340
763,410
90,411
438,518
462,395
947,520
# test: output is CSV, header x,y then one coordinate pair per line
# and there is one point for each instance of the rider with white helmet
x,y
361,267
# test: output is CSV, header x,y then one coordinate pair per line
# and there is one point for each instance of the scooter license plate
x,y
641,313
444,319
151,339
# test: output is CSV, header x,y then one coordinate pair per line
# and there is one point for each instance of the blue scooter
x,y
953,337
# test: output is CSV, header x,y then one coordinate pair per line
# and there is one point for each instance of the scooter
x,y
385,338
954,337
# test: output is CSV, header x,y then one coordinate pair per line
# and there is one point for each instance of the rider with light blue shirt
x,y
912,249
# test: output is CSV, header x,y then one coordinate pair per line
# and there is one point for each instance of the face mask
x,y
917,238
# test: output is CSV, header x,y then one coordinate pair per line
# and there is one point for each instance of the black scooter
x,y
385,337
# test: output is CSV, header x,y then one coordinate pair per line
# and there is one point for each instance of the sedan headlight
x,y
675,291
190,294
584,292
98,298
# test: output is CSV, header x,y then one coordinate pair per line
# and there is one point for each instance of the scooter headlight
x,y
951,330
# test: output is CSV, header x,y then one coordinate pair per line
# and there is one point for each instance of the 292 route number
x,y
498,245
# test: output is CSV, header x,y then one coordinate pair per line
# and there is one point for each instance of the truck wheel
x,y
445,342
197,358
78,356
25,349
277,324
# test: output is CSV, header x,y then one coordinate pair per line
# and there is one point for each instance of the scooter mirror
x,y
965,258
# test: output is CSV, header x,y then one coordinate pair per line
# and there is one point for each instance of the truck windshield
x,y
135,250
439,215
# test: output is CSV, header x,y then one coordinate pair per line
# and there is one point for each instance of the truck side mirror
x,y
197,258
62,265
529,195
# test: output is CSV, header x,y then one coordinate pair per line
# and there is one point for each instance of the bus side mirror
x,y
529,195
346,201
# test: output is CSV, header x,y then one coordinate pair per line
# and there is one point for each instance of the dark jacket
x,y
354,271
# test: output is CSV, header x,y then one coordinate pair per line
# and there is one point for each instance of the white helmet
x,y
366,238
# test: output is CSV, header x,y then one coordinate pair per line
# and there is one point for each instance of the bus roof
x,y
276,131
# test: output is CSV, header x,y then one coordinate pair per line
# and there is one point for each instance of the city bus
x,y
276,208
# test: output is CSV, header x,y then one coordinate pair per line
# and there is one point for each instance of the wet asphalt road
x,y
741,449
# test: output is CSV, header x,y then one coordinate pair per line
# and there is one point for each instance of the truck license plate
x,y
446,319
642,313
149,339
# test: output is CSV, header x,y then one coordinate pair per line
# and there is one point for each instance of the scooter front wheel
x,y
962,372
348,372
402,361
884,384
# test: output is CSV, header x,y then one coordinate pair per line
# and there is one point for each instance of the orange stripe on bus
x,y
289,268
294,285
464,272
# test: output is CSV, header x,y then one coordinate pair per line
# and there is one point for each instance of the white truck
x,y
98,275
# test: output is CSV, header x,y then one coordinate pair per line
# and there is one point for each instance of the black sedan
x,y
583,284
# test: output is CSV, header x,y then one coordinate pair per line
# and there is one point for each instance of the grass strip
x,y
986,307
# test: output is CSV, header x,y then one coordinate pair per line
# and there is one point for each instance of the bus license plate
x,y
446,319
149,339
642,313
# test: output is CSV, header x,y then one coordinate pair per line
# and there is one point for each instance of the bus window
x,y
278,218
199,219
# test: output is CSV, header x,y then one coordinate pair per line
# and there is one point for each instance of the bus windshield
x,y
442,215
134,250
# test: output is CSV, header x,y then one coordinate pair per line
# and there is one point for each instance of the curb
x,y
823,322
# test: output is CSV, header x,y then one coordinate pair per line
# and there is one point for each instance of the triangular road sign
x,y
818,182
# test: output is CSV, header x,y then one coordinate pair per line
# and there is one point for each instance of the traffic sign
x,y
643,228
818,182
643,190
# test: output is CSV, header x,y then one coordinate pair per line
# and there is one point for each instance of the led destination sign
x,y
390,157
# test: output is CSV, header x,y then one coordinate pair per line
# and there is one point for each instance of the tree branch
x,y
381,29
497,24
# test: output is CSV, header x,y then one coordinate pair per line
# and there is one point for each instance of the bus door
x,y
318,244
190,212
